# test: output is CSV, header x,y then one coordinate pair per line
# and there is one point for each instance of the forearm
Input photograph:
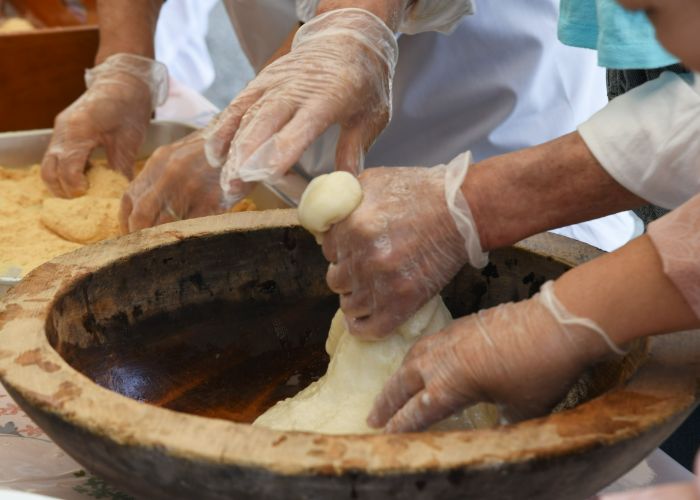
x,y
127,27
558,183
389,11
627,293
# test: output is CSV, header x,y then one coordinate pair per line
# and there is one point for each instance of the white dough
x,y
328,199
15,25
339,402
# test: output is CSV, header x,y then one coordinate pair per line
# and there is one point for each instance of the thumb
x,y
122,150
125,209
63,168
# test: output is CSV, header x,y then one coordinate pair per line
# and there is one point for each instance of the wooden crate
x,y
42,71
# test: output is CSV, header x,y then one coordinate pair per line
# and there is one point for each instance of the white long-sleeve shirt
x,y
648,139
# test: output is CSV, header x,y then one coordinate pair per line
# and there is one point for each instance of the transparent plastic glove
x,y
420,15
113,112
410,235
339,70
176,183
522,356
676,237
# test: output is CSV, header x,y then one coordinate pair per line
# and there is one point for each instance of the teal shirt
x,y
623,39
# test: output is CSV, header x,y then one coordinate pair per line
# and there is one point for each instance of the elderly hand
x,y
176,183
522,356
339,70
114,112
410,235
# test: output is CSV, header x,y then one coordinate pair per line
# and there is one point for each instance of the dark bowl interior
x,y
226,325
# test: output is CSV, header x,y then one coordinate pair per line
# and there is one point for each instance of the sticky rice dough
x,y
339,402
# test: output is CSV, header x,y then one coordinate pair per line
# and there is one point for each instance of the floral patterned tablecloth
x,y
31,462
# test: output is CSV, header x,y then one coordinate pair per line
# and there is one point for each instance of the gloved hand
x,y
339,70
410,235
114,112
176,183
522,356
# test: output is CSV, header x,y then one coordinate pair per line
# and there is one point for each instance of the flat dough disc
x,y
83,220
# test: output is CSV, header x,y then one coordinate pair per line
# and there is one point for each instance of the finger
x,y
166,216
329,247
339,278
64,173
146,211
283,149
358,304
234,191
400,388
49,174
212,205
420,348
198,194
377,325
125,208
259,123
421,411
122,150
72,176
219,134
350,151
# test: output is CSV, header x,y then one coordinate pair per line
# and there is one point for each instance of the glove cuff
x,y
457,205
359,24
421,16
152,73
565,318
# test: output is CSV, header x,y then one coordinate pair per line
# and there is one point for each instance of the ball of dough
x,y
328,199
15,24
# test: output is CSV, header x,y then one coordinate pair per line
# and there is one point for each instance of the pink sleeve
x,y
676,236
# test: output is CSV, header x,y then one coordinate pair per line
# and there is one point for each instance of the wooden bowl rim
x,y
34,370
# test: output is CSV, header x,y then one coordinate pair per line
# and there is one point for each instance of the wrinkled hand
x,y
410,235
114,112
522,356
176,183
339,70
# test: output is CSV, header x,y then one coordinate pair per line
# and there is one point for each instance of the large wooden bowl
x,y
145,357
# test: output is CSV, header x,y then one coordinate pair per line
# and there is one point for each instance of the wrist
x,y
459,209
391,12
581,337
627,294
353,28
108,50
140,71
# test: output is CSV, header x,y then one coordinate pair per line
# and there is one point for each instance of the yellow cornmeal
x,y
15,25
25,202
36,226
